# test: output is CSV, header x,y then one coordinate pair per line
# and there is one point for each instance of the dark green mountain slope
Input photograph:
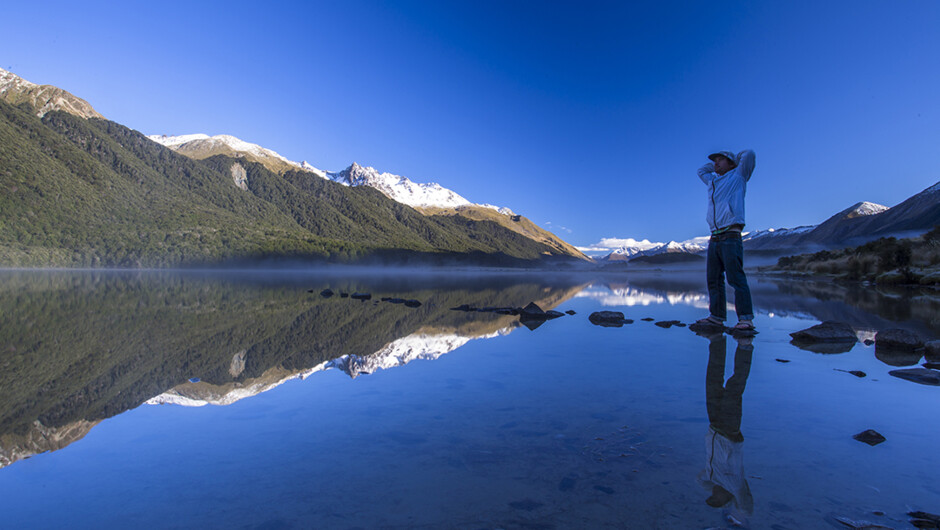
x,y
76,192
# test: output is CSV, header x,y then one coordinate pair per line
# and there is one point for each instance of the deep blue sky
x,y
590,118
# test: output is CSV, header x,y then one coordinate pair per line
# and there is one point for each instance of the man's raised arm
x,y
745,163
707,172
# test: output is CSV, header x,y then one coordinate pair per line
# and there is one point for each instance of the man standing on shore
x,y
726,177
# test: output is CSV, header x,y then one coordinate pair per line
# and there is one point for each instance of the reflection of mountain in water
x,y
82,347
861,306
397,353
630,296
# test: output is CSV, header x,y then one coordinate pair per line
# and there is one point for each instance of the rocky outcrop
x,y
42,98
240,176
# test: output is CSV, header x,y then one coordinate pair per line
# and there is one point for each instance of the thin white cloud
x,y
559,227
609,244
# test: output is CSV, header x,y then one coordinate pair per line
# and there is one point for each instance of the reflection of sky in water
x,y
570,425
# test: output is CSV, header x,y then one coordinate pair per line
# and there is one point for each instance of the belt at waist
x,y
725,236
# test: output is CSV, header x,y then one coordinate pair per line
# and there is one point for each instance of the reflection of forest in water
x,y
81,347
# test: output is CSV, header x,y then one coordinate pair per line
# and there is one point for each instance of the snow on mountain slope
x,y
395,187
399,188
866,208
631,248
208,145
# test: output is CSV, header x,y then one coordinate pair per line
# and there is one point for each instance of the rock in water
x,y
705,328
326,293
897,340
932,350
871,437
362,296
412,303
923,376
531,310
667,323
827,331
856,373
607,319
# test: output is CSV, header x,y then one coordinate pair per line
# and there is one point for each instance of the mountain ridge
x,y
81,190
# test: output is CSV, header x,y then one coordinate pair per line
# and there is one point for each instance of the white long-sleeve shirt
x,y
726,192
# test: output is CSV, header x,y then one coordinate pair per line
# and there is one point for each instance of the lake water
x,y
196,400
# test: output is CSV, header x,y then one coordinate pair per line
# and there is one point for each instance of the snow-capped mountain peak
x,y
399,188
208,144
395,187
865,208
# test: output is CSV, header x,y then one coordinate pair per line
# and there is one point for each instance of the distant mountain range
x,y
857,224
79,190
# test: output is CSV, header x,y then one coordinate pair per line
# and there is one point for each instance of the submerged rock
x,y
923,376
362,296
856,373
463,307
870,437
897,340
326,293
667,323
412,303
571,312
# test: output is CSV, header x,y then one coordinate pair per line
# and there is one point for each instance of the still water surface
x,y
181,400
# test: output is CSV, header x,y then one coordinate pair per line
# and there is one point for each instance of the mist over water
x,y
248,399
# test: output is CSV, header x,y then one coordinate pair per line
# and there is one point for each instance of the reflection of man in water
x,y
723,475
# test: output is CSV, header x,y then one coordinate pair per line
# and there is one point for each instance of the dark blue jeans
x,y
727,257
